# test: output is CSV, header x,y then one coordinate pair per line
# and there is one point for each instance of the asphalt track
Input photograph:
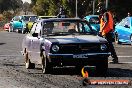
x,y
14,75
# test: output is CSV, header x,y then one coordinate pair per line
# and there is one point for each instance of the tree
x,y
85,7
26,6
51,7
10,5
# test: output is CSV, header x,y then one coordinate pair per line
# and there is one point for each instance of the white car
x,y
64,42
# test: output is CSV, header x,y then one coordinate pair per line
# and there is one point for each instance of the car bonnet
x,y
76,39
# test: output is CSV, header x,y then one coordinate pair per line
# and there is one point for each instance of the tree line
x,y
51,7
120,8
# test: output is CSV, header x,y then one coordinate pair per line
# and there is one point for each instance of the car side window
x,y
94,20
122,22
127,23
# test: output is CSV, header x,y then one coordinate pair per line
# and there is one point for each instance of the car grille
x,y
80,48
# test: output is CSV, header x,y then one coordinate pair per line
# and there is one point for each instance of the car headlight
x,y
103,47
55,48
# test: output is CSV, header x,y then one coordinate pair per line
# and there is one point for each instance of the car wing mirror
x,y
126,26
11,21
35,34
20,21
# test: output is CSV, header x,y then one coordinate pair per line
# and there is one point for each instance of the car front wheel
x,y
131,39
46,66
117,39
101,67
28,63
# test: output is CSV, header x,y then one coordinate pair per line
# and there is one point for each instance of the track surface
x,y
13,73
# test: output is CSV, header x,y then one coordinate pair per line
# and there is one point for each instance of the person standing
x,y
106,29
62,13
128,14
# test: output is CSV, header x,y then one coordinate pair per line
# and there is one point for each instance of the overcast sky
x,y
29,1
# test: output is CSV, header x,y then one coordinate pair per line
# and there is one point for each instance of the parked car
x,y
17,24
34,19
30,23
64,42
7,27
94,22
123,31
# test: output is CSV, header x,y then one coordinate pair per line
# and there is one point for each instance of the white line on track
x,y
122,62
10,55
125,62
124,56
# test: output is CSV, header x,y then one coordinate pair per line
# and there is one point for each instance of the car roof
x,y
47,16
63,19
28,15
129,17
92,16
89,16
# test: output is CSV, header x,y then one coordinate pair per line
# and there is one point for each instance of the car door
x,y
35,40
127,31
124,32
121,30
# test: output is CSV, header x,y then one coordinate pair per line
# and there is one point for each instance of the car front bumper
x,y
74,59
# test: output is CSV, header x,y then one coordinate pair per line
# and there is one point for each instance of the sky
x,y
29,1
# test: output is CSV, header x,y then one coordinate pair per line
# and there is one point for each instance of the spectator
x,y
128,14
106,29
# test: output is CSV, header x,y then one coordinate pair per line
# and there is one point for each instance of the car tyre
x,y
131,39
78,69
28,63
11,29
102,67
117,39
25,31
46,66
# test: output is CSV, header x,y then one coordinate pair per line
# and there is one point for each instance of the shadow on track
x,y
67,71
118,72
13,65
2,43
112,72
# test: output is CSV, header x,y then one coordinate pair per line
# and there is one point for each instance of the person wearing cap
x,y
106,29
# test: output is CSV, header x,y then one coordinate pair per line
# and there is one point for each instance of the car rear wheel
x,y
28,63
117,39
24,31
131,39
78,69
11,29
46,66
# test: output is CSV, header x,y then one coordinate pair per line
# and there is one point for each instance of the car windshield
x,y
66,27
32,18
27,18
94,20
17,18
